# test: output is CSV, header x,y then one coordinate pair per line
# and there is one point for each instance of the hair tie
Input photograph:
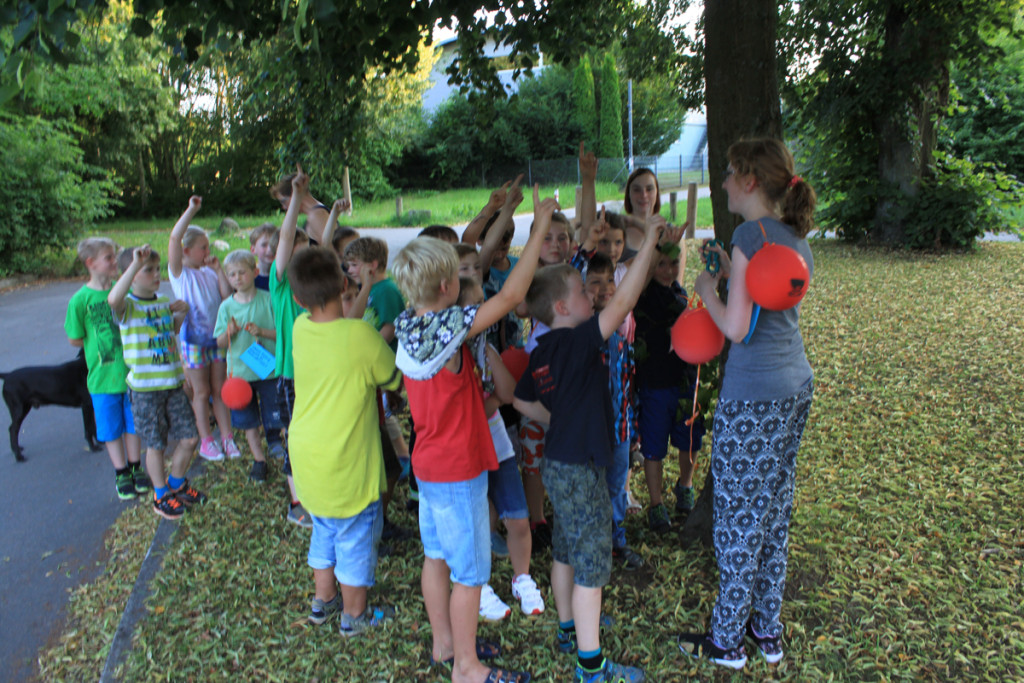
x,y
794,180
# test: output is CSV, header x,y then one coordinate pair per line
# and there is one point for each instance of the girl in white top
x,y
197,279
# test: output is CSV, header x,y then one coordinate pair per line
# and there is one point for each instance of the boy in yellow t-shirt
x,y
337,464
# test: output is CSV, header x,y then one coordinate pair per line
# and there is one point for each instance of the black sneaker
x,y
168,507
188,495
628,558
700,645
124,485
258,473
771,648
684,498
657,518
140,479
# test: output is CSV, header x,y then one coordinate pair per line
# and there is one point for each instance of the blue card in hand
x,y
259,360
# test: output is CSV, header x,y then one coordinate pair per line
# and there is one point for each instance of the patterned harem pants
x,y
754,463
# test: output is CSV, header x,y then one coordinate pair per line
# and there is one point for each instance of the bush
x,y
50,194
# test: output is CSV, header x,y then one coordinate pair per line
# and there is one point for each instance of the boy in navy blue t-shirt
x,y
566,386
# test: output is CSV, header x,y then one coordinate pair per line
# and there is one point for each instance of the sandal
x,y
485,649
505,676
632,507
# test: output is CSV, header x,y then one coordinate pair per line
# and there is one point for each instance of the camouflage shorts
x,y
582,533
162,416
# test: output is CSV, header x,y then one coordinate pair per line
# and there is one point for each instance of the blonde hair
x,y
91,247
240,256
550,285
192,233
421,267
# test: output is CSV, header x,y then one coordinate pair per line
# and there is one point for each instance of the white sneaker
x,y
491,606
525,590
231,449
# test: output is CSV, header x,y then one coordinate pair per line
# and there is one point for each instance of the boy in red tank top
x,y
454,450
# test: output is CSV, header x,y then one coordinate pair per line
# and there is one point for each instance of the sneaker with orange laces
x,y
168,507
188,495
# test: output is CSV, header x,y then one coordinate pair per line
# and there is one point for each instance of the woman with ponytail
x,y
762,409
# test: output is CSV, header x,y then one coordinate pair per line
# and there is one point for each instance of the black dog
x,y
60,385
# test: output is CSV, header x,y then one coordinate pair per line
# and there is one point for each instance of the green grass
x,y
906,548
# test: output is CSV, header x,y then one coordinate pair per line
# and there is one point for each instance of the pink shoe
x,y
208,450
230,449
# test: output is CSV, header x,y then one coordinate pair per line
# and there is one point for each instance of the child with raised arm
x,y
566,386
197,279
454,450
148,321
246,318
89,325
337,462
290,241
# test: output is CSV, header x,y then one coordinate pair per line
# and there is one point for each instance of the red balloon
x,y
695,336
777,277
516,361
236,393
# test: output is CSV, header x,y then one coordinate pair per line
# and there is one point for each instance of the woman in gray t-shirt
x,y
762,409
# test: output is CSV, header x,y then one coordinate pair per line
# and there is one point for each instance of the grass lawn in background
x,y
906,546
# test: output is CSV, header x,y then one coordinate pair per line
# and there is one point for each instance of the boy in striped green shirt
x,y
148,322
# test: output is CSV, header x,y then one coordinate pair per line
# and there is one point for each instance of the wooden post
x,y
673,197
346,190
691,209
398,206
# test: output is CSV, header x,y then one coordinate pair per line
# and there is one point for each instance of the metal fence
x,y
671,171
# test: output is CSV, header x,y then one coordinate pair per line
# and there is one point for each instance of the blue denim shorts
x,y
505,489
262,409
348,545
455,526
113,416
659,422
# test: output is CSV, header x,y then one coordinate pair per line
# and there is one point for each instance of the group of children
x,y
486,445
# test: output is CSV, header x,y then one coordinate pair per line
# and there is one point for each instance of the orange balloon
x,y
695,336
236,393
516,360
777,277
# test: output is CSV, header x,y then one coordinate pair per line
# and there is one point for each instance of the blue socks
x,y
160,491
174,483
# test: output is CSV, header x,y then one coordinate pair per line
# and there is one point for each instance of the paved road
x,y
57,505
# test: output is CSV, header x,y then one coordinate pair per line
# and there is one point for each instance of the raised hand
x,y
588,164
515,195
300,183
141,253
194,203
498,197
340,206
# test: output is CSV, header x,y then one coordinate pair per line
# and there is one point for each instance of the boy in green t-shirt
x,y
244,319
338,463
90,325
290,241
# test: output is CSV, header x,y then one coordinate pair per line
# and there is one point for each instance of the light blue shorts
x,y
455,526
353,540
113,416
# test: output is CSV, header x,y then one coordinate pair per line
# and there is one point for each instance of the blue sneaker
x,y
373,616
609,672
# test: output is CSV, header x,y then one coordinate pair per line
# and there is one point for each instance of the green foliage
x,y
49,193
869,110
610,144
986,122
583,101
955,207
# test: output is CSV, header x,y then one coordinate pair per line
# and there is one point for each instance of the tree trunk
x,y
741,86
742,95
